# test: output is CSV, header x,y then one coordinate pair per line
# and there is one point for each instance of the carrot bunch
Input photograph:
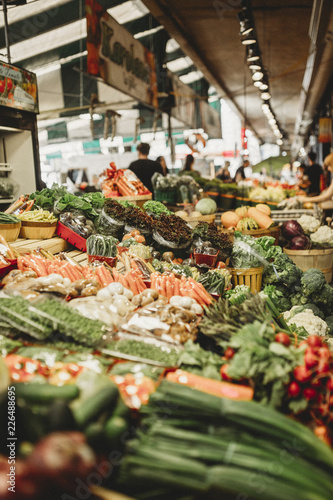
x,y
131,280
168,286
44,267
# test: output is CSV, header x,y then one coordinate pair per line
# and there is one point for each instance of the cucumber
x,y
45,393
95,436
115,429
104,399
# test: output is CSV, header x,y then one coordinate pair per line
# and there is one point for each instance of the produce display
x,y
121,183
152,358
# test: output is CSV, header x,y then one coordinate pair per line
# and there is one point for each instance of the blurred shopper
x,y
162,162
143,168
328,194
188,165
223,173
240,172
313,173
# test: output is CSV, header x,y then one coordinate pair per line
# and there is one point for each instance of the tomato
x,y
314,341
23,369
221,265
294,390
229,353
330,384
283,338
224,373
9,84
2,86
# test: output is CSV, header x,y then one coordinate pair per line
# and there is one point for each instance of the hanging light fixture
x,y
253,54
245,24
265,108
255,66
279,142
265,96
257,75
248,39
272,121
264,84
257,84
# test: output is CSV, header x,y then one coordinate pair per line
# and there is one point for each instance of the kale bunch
x,y
210,232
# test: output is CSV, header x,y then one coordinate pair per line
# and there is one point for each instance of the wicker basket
x,y
251,277
193,221
38,230
313,259
10,231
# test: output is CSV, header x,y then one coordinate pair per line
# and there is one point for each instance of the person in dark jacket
x,y
143,168
313,173
162,162
240,172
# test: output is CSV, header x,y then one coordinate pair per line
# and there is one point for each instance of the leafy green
x,y
213,281
196,360
209,232
88,204
282,302
156,207
266,363
247,252
46,197
238,294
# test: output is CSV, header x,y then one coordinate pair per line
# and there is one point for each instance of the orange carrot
x,y
168,288
176,289
20,264
210,386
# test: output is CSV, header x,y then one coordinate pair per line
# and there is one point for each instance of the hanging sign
x,y
210,120
18,88
184,110
325,130
118,58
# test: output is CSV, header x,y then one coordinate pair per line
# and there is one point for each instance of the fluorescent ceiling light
x,y
128,11
172,45
193,76
179,64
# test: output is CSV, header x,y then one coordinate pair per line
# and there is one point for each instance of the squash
x,y
195,214
242,211
263,220
264,208
247,224
230,219
182,214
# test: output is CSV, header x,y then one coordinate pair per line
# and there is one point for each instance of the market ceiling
x,y
205,42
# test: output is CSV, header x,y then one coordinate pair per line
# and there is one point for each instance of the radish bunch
x,y
314,380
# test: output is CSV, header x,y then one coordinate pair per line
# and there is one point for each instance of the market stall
x,y
165,360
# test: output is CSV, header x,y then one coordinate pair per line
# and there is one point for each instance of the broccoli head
x,y
324,299
298,299
329,321
280,299
283,271
312,281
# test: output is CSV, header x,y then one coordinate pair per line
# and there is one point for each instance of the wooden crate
x,y
193,221
53,245
137,200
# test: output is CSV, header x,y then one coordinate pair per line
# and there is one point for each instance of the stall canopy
x,y
50,38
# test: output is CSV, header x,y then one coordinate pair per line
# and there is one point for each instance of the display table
x,y
52,245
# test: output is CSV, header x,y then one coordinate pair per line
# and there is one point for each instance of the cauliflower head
x,y
306,319
323,235
309,223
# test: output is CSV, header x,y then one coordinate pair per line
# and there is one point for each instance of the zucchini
x,y
104,399
115,429
103,246
34,392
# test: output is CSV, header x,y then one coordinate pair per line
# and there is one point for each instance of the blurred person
x,y
223,174
328,194
240,172
162,162
188,165
313,173
144,168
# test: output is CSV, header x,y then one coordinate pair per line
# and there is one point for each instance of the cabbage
x,y
206,206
